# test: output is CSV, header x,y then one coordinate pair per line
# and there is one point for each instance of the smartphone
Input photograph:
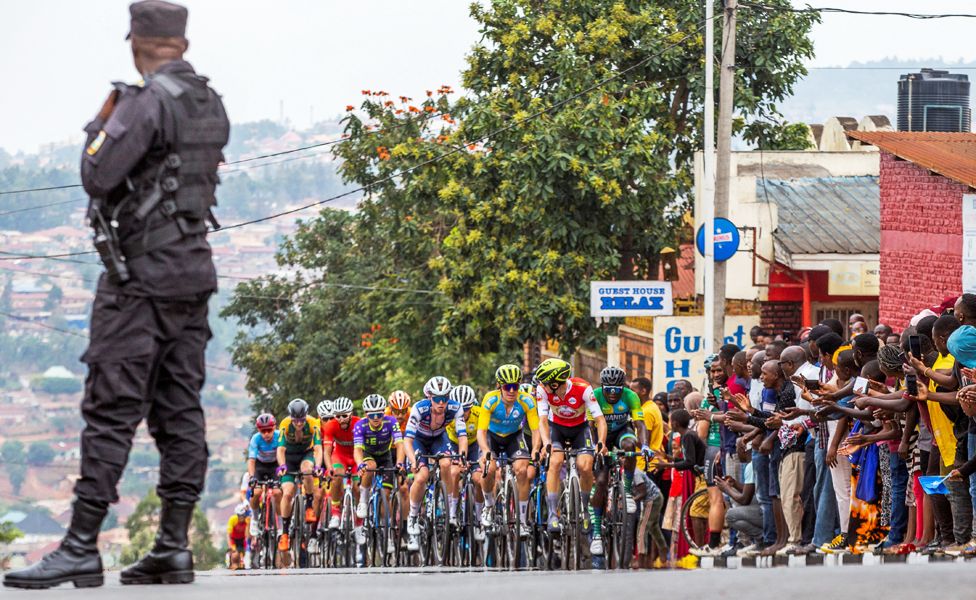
x,y
860,385
903,357
915,346
911,385
812,384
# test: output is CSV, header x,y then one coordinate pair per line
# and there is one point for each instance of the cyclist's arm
x,y
542,407
641,430
357,454
231,523
484,421
398,443
317,455
281,456
461,429
326,449
532,420
251,468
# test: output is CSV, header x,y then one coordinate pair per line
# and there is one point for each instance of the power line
x,y
40,206
41,189
15,256
461,147
873,13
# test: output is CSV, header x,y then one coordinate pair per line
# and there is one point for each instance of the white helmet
x,y
437,386
341,406
465,395
374,403
527,388
242,509
324,409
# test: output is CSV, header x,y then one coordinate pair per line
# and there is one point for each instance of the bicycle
x,y
265,551
380,526
467,548
571,514
340,547
301,528
618,524
539,546
506,528
686,529
433,521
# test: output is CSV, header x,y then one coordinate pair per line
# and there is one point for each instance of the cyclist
x,y
466,397
299,451
426,436
237,528
337,439
374,440
563,402
504,412
262,460
621,407
324,410
399,408
529,389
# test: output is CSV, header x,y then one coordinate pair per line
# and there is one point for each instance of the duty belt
x,y
171,231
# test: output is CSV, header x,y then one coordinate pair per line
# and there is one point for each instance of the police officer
x,y
150,168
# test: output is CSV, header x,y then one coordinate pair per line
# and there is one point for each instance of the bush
x,y
56,385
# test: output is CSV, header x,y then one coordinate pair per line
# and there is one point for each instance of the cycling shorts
x,y
474,453
438,444
264,471
713,467
344,461
293,463
513,446
577,437
239,544
383,461
615,437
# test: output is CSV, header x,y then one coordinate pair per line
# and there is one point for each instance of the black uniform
x,y
149,333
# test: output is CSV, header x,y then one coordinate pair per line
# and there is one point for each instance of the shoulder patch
x,y
96,143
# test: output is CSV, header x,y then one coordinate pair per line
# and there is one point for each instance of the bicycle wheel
x,y
574,546
396,529
348,537
297,527
511,525
466,544
687,530
538,546
440,531
622,544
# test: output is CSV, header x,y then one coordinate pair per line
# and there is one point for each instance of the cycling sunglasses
x,y
439,399
510,387
613,390
374,416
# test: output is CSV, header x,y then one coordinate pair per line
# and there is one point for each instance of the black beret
x,y
156,18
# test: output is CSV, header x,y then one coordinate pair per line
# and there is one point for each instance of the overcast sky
x,y
315,55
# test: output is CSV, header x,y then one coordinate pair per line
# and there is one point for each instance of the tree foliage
x,y
568,160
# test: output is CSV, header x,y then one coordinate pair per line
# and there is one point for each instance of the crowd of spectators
x,y
832,440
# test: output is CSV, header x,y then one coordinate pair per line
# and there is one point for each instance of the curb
x,y
824,560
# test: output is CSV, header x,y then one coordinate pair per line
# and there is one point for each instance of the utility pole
x,y
726,88
708,184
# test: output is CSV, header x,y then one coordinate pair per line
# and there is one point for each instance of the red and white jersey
x,y
569,410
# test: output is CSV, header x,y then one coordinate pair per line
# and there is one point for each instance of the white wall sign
x,y
679,351
630,299
969,243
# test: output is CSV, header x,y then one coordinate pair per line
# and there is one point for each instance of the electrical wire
x,y
871,13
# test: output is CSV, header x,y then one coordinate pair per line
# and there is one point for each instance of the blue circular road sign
x,y
726,240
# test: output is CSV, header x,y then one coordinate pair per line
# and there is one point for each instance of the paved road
x,y
891,582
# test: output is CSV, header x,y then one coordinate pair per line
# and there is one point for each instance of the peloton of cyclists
x,y
299,451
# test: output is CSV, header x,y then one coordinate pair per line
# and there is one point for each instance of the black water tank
x,y
939,101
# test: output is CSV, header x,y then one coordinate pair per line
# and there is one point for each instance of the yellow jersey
x,y
470,424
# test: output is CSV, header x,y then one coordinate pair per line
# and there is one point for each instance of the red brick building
x,y
923,178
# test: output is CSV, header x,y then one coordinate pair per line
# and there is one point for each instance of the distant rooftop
x,y
952,155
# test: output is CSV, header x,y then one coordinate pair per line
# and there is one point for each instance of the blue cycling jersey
x,y
263,451
496,418
419,423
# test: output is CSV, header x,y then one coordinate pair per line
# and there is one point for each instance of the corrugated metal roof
x,y
825,215
950,154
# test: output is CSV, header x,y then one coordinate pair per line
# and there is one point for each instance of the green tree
x,y
12,451
8,533
144,521
16,474
57,385
40,454
585,116
768,135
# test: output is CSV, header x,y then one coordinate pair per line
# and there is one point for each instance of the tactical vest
x,y
181,186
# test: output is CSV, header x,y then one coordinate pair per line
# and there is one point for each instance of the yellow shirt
x,y
942,431
654,421
470,424
497,419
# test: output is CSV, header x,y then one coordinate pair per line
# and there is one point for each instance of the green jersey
x,y
619,414
714,428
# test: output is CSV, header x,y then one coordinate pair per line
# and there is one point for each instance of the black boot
x,y
169,561
76,560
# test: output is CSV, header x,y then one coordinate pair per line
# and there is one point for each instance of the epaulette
x,y
129,88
